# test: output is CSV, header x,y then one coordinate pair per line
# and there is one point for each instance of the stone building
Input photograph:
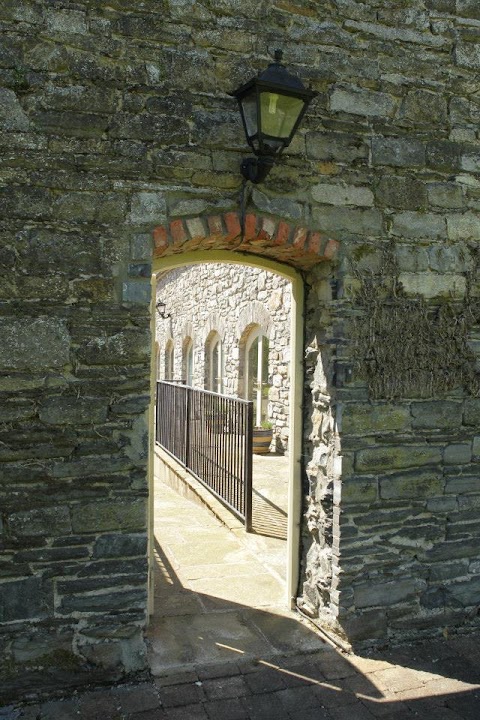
x,y
121,149
229,332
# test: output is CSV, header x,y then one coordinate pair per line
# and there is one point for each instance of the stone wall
x,y
233,301
116,119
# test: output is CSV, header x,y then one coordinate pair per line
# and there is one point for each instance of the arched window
x,y
214,363
169,361
256,374
187,361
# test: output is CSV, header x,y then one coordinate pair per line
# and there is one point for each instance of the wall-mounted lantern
x,y
161,307
272,106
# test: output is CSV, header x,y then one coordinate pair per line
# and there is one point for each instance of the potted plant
x,y
262,438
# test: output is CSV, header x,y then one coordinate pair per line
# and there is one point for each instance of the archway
x,y
279,246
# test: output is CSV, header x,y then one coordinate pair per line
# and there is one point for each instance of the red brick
x,y
315,243
178,231
160,237
283,232
250,226
233,224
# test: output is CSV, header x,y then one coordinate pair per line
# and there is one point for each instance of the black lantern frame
x,y
272,106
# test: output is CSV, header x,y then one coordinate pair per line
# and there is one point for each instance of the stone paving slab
x,y
396,684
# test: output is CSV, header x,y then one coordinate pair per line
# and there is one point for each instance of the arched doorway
x,y
296,335
263,241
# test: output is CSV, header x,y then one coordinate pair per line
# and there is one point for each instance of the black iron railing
x,y
211,436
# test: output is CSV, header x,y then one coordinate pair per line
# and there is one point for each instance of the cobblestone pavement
x,y
437,680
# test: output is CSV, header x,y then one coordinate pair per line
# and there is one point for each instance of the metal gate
x,y
211,436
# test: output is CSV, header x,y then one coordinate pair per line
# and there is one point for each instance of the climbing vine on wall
x,y
407,347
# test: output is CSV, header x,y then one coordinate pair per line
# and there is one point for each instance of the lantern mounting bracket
x,y
256,169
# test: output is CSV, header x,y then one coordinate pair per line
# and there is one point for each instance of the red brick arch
x,y
264,235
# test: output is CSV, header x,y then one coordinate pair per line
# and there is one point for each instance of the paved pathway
x,y
220,592
432,681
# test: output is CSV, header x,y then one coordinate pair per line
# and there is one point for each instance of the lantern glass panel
x,y
249,105
279,114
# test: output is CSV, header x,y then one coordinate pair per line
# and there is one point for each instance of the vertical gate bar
x,y
187,426
248,468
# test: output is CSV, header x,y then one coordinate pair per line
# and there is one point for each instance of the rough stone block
x,y
463,227
359,419
405,193
148,208
390,457
41,522
148,127
39,343
445,195
432,285
471,412
412,486
118,349
397,152
437,414
442,504
462,484
12,116
411,258
469,9
418,225
458,454
66,21
476,447
24,599
446,571
452,550
365,625
71,254
444,155
336,194
104,516
358,490
359,101
123,545
73,410
82,207
449,259
389,593
340,220
467,55
84,467
337,147
467,592
136,291
141,247
104,602
26,202
423,107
